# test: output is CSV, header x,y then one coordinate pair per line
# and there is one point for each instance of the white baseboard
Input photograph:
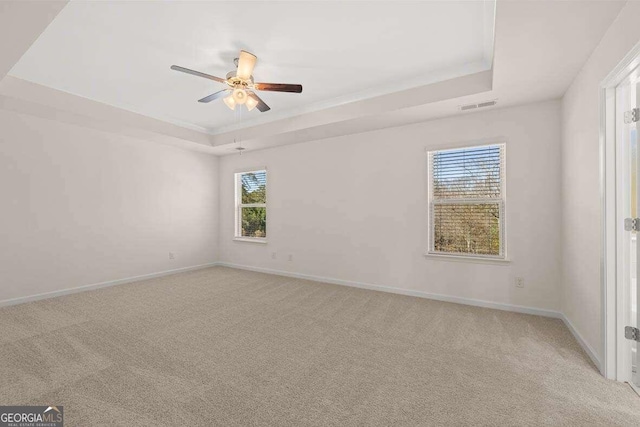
x,y
438,297
585,346
21,300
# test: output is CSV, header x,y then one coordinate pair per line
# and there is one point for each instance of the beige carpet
x,y
229,347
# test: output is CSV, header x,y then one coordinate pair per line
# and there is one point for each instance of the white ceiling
x,y
119,53
540,46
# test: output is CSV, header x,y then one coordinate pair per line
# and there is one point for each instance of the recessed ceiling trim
x,y
414,84
439,91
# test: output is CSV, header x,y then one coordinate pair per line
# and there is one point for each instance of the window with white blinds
x,y
251,205
467,201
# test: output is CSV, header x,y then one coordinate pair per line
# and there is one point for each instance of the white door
x,y
627,126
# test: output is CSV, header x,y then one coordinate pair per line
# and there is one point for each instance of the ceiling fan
x,y
241,85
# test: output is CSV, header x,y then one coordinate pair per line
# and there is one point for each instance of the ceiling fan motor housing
x,y
234,81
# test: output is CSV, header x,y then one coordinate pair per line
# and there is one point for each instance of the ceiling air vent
x,y
479,105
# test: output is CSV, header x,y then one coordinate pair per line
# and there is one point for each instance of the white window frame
x,y
239,205
502,203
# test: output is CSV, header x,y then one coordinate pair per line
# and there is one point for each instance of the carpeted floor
x,y
229,347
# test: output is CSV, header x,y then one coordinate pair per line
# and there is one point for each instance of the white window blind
x,y
467,201
251,205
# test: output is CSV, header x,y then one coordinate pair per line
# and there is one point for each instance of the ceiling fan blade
x,y
279,87
197,73
246,62
213,96
262,106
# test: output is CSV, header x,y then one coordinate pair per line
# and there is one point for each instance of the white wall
x,y
581,217
81,206
354,208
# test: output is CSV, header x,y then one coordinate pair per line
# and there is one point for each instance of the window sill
x,y
468,259
250,240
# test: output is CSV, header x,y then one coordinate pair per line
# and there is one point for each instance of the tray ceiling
x,y
119,53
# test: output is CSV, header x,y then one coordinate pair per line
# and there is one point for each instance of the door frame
x,y
612,297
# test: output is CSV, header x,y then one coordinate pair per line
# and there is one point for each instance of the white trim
x,y
250,169
53,294
609,242
467,258
614,299
583,343
454,145
611,315
609,233
438,297
624,67
250,240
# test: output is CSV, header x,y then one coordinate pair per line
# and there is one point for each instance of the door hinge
x,y
632,333
631,224
632,116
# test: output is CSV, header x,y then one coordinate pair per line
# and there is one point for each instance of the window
x,y
467,201
251,205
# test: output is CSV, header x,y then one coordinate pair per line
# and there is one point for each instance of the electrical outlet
x,y
172,255
519,282
290,257
273,255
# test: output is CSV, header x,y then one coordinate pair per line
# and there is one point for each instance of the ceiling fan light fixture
x,y
246,62
230,101
251,103
239,96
